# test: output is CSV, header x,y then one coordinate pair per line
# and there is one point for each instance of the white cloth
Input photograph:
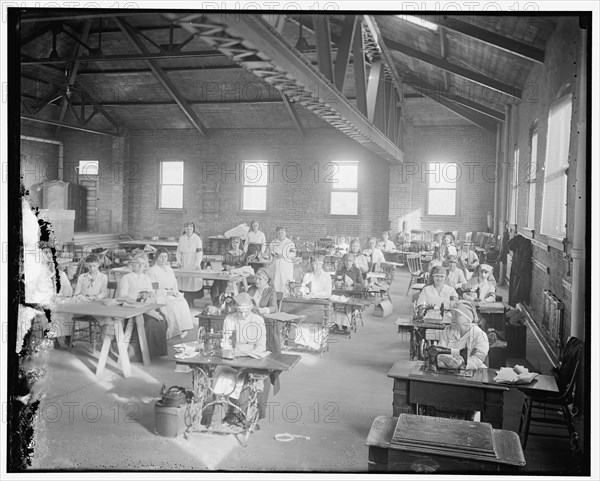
x,y
319,285
176,309
189,255
283,266
92,287
362,262
309,334
375,255
256,238
487,290
475,340
132,284
430,295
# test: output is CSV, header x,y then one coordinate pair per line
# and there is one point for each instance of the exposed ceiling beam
x,y
464,112
435,91
511,90
38,32
133,71
69,126
494,39
162,77
294,116
121,57
342,58
292,74
73,76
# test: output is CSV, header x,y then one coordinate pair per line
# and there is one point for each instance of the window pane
x,y
254,198
345,175
344,203
172,173
442,202
88,167
171,197
442,175
255,173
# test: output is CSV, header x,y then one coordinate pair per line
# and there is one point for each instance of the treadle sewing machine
x,y
426,317
205,397
432,353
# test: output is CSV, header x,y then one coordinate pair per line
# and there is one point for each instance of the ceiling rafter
x,y
510,90
162,77
494,39
117,58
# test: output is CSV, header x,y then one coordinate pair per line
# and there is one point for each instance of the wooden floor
x,y
108,422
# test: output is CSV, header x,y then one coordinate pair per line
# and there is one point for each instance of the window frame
x,y
254,186
333,189
553,239
532,177
514,187
161,184
457,190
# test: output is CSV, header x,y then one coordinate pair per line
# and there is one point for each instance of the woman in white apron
x,y
189,256
283,252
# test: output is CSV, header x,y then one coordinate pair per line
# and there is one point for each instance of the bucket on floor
x,y
383,309
169,421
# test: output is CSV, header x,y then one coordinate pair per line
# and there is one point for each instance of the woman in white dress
x,y
176,309
189,256
374,255
438,292
283,252
137,286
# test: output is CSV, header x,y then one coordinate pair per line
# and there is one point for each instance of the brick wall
x,y
39,161
297,196
473,149
544,85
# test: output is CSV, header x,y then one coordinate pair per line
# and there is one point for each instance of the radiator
x,y
552,320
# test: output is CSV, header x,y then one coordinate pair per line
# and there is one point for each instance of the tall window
x,y
254,194
442,192
532,180
344,188
554,208
514,189
87,168
170,195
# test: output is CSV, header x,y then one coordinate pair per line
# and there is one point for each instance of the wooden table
x,y
494,313
203,368
118,314
325,320
442,446
142,243
447,392
232,279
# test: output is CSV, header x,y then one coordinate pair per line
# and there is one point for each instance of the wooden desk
x,y
494,313
232,279
448,392
118,314
302,303
445,450
142,243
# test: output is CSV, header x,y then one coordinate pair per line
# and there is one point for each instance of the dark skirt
x,y
156,337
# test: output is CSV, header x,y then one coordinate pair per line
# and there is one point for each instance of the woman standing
x,y
189,256
176,309
283,252
256,243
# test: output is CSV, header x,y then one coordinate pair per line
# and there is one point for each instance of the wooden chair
x,y
543,407
88,325
413,261
382,286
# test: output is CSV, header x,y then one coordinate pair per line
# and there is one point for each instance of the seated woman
x,y
455,277
314,284
374,255
62,322
137,286
250,337
447,248
385,245
481,288
341,247
463,332
350,277
360,260
438,292
468,260
176,309
234,259
263,295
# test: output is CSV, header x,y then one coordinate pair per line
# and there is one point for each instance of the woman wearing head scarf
x,y
462,332
438,292
137,286
283,252
263,295
176,309
482,287
189,256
